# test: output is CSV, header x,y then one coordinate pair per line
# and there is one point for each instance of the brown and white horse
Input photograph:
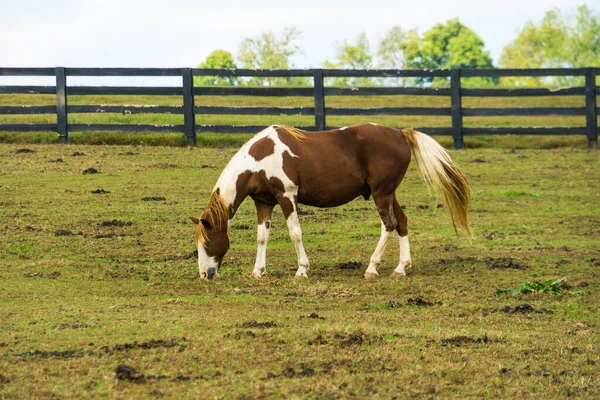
x,y
285,166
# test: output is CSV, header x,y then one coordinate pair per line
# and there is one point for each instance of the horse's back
x,y
334,167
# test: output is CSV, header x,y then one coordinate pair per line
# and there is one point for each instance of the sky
x,y
182,33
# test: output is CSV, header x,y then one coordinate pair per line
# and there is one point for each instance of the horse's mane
x,y
216,213
295,132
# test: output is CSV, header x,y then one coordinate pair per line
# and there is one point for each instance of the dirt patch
x,y
239,335
479,160
76,325
242,227
153,198
423,207
66,354
292,372
203,166
106,236
163,165
353,339
493,235
57,161
504,263
394,304
458,341
420,302
100,191
63,232
4,380
312,316
129,153
24,151
352,265
78,154
581,328
258,325
150,344
116,222
524,309
126,373
36,275
90,171
318,340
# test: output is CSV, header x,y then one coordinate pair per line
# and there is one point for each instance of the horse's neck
x,y
232,186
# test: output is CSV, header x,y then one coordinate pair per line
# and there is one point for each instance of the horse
x,y
286,166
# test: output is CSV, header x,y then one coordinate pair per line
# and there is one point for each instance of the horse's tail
x,y
438,171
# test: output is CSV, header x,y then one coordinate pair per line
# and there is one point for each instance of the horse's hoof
x,y
398,275
297,276
371,275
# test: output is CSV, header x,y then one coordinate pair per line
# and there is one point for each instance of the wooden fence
x,y
318,91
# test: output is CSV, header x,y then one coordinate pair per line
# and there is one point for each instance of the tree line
x,y
559,40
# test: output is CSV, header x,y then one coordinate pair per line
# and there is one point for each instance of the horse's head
x,y
213,243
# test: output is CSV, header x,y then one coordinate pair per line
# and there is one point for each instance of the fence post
x,y
61,105
591,116
189,118
456,109
319,93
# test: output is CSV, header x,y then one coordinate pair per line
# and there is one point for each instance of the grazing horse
x,y
286,166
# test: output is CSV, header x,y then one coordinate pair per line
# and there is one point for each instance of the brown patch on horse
x,y
262,148
290,167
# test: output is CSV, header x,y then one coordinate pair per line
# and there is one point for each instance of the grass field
x,y
97,272
208,139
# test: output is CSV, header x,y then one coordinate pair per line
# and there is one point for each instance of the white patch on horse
x,y
345,127
373,123
261,251
379,250
293,223
242,161
405,260
205,263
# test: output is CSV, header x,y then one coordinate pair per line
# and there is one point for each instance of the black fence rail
x,y
319,92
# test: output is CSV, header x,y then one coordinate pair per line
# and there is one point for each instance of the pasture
x,y
97,271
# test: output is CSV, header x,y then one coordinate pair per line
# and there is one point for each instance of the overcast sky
x,y
181,33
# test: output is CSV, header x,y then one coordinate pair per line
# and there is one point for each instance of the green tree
x,y
270,51
449,45
392,48
557,41
352,56
217,59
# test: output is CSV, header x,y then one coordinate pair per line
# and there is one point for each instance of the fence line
x,y
318,92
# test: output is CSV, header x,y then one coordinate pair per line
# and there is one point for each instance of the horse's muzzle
x,y
209,274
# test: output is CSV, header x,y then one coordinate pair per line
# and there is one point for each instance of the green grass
x,y
79,298
214,140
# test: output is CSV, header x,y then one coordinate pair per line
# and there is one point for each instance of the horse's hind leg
x,y
402,229
388,224
263,213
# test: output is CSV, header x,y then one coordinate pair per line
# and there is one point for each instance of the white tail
x,y
438,171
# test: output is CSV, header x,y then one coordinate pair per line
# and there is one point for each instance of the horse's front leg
x,y
263,213
289,207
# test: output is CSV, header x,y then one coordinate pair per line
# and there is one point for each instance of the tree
x,y
352,56
556,41
268,51
217,59
449,45
392,48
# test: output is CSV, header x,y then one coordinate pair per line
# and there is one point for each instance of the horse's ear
x,y
195,220
206,224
